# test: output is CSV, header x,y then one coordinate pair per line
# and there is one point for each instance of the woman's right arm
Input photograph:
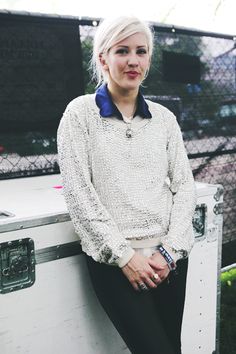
x,y
99,234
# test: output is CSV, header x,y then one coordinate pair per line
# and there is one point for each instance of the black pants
x,y
149,322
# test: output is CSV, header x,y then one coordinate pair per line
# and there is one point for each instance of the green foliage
x,y
87,48
228,276
228,313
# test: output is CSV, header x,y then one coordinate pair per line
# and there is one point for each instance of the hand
x,y
140,270
159,260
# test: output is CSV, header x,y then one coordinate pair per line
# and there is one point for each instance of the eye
x,y
141,51
122,51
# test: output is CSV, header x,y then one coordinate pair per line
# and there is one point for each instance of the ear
x,y
103,61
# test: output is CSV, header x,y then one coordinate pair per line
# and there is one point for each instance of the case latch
x,y
17,265
200,221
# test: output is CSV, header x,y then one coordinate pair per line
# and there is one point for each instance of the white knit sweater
x,y
125,192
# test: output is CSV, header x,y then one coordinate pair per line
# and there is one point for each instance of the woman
x,y
130,192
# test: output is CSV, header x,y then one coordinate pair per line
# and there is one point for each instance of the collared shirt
x,y
109,109
121,189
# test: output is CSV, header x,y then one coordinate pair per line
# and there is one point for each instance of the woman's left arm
x,y
180,238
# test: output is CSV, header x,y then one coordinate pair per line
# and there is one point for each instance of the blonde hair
x,y
112,31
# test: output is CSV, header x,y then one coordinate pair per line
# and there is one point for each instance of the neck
x,y
121,95
124,99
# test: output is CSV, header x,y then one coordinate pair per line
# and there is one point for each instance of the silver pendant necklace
x,y
128,121
129,132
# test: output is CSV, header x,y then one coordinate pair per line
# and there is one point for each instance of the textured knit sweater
x,y
124,192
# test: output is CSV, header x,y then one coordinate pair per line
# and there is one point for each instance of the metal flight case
x,y
47,303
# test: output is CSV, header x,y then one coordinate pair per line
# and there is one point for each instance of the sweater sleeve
x,y
99,235
180,237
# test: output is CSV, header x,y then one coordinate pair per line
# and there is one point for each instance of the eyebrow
x,y
126,46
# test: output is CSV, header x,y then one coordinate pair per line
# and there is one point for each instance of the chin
x,y
127,84
132,85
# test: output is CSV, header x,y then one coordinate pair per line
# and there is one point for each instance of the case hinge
x,y
219,193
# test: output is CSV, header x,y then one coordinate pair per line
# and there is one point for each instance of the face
x,y
127,62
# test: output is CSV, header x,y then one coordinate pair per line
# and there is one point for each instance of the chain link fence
x,y
193,74
199,86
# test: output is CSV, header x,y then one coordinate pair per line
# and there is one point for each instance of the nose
x,y
133,59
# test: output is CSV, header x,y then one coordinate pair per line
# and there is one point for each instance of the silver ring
x,y
142,286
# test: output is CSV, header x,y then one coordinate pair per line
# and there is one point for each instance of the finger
x,y
142,286
156,278
154,265
163,275
135,286
150,283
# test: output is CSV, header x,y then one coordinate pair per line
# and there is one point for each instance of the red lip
x,y
132,74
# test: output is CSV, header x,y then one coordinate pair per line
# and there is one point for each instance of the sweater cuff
x,y
174,254
126,257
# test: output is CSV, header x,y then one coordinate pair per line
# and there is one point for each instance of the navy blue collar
x,y
109,109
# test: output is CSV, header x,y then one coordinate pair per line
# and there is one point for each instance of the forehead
x,y
136,39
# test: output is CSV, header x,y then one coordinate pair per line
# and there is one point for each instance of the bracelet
x,y
170,262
